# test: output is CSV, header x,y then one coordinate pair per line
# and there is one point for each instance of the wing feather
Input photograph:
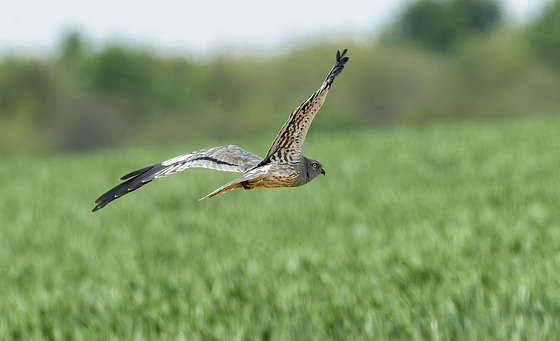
x,y
293,132
253,175
229,158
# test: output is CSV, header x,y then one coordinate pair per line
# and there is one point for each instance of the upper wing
x,y
292,135
225,158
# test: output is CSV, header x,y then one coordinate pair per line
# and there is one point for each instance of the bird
x,y
283,165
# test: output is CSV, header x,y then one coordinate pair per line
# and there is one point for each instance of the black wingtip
x,y
339,55
100,204
340,59
103,201
134,180
338,66
137,172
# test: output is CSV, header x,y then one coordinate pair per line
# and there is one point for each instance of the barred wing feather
x,y
292,135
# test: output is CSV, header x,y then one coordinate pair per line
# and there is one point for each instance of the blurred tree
x,y
90,121
119,72
25,82
71,48
428,22
87,98
489,77
122,78
439,24
27,98
476,15
544,34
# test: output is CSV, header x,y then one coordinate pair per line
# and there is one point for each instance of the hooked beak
x,y
322,171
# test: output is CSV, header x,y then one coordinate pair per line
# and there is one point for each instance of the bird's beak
x,y
322,171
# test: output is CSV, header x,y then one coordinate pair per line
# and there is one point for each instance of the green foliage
x,y
441,24
438,233
72,49
85,98
544,33
27,99
492,77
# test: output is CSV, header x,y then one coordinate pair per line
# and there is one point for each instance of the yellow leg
x,y
249,184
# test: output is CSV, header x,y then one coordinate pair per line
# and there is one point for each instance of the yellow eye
x,y
315,165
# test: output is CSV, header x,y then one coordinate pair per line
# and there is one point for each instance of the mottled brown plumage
x,y
283,166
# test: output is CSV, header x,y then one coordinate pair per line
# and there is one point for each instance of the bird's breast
x,y
280,175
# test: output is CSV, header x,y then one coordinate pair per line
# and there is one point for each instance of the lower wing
x,y
225,158
255,174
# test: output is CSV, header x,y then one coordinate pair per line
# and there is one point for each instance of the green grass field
x,y
440,233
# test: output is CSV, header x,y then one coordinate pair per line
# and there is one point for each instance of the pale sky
x,y
203,26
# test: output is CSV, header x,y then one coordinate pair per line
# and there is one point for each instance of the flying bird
x,y
283,166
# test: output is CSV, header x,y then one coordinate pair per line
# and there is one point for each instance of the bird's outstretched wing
x,y
225,158
292,135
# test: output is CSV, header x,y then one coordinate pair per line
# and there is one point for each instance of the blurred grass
x,y
442,232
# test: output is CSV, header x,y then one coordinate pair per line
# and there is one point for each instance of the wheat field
x,y
441,233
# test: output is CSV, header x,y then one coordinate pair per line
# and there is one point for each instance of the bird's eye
x,y
315,165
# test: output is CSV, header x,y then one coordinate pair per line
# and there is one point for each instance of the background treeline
x,y
439,61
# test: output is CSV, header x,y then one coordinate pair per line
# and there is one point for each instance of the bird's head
x,y
314,168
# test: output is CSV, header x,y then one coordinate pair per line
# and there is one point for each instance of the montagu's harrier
x,y
283,165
